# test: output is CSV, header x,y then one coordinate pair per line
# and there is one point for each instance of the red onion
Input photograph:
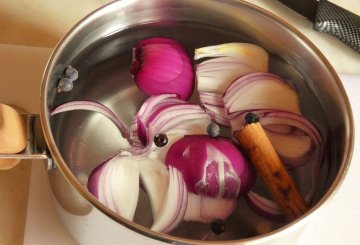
x,y
140,129
258,91
215,173
162,66
167,115
234,60
215,75
286,130
115,183
211,166
174,205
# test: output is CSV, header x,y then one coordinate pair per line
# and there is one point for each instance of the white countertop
x,y
337,223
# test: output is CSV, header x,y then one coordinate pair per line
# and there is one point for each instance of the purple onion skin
x,y
162,66
93,180
190,154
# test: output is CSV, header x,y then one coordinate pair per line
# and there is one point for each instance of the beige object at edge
x,y
12,135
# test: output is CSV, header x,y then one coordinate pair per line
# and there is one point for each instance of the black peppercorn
x,y
218,226
251,118
160,140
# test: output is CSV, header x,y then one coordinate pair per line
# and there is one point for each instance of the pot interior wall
x,y
100,48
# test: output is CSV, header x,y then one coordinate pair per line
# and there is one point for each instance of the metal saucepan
x,y
100,47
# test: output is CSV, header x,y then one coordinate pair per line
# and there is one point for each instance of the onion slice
x,y
229,61
264,207
154,176
115,183
257,91
94,107
175,203
139,129
211,166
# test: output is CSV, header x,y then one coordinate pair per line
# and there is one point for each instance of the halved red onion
x,y
206,209
260,90
211,166
162,66
94,107
233,60
155,179
175,116
155,102
175,203
115,183
167,115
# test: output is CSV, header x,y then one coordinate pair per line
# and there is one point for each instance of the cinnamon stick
x,y
263,156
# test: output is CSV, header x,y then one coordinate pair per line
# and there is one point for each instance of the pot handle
x,y
21,137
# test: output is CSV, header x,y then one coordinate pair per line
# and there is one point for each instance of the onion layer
x,y
257,90
174,205
115,183
286,129
94,107
233,60
171,116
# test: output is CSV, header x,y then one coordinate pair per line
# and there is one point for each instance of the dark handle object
x,y
338,22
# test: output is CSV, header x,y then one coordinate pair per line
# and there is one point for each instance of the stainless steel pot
x,y
100,48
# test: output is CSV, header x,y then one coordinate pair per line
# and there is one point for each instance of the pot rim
x,y
290,227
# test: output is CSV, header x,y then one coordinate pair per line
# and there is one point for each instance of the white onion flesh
x,y
94,107
259,91
289,145
206,209
174,205
187,127
214,106
118,185
154,176
228,62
